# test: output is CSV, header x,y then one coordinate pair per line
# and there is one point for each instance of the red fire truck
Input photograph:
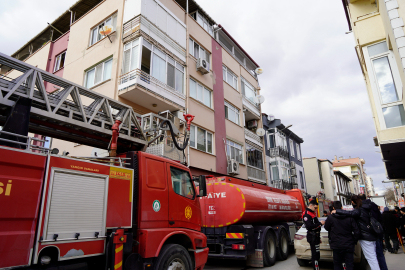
x,y
130,210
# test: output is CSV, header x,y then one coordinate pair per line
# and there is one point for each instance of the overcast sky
x,y
312,78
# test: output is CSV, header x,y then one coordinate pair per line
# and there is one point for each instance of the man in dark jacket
x,y
344,234
313,226
390,224
402,221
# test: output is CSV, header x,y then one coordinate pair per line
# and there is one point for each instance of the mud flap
x,y
255,259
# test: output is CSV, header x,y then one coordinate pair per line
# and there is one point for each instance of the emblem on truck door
x,y
188,212
156,205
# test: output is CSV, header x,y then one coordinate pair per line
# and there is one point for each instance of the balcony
x,y
279,152
252,109
284,184
255,174
141,88
355,173
254,138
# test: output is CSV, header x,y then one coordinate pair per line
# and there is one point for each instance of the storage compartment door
x,y
77,204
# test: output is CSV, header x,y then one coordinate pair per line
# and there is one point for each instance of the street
x,y
394,262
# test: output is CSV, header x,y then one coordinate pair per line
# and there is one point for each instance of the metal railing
x,y
283,184
27,145
256,138
256,174
257,106
279,152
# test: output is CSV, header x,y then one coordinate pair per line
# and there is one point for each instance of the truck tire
x,y
173,257
269,250
282,250
302,262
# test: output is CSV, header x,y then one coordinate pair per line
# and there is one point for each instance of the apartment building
x,y
370,186
353,168
164,58
379,36
320,178
283,155
343,191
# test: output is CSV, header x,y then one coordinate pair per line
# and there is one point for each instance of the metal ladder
x,y
63,113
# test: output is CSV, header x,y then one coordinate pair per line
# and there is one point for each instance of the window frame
x,y
225,72
229,156
246,83
95,72
247,147
131,49
191,182
113,18
203,93
374,83
206,139
228,107
292,152
57,61
200,48
298,148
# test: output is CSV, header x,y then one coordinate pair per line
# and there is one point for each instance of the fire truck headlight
x,y
45,260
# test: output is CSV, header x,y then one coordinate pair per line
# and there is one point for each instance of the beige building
x,y
379,37
354,169
165,57
320,178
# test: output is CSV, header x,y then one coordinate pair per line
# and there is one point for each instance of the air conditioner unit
x,y
233,167
293,172
294,180
203,66
292,164
252,124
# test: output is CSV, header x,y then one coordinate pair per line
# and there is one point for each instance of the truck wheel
x,y
282,251
302,262
269,251
173,257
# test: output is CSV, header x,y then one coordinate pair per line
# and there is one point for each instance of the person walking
x,y
325,213
390,224
379,245
361,213
402,221
344,234
313,226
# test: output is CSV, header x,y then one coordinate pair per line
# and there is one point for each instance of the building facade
x,y
343,190
320,178
354,169
370,186
165,57
283,155
378,29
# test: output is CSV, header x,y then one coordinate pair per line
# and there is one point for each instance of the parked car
x,y
303,250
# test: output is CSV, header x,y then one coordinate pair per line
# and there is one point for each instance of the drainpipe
x,y
187,77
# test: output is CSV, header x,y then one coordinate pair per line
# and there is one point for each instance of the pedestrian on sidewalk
x,y
313,226
344,234
402,221
361,213
379,245
390,225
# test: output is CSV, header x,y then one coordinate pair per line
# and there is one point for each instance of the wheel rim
x,y
176,264
284,245
270,247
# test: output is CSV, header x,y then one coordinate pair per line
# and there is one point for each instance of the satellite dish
x,y
259,99
105,30
271,118
260,132
258,71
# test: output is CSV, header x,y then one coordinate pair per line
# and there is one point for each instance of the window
x,y
231,113
386,85
298,151
95,32
292,148
181,183
197,51
248,91
202,21
201,139
302,180
98,74
200,93
254,157
271,143
274,173
229,77
131,56
59,61
234,151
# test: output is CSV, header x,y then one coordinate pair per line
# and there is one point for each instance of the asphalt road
x,y
394,262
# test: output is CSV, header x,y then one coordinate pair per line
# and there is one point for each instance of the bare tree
x,y
390,194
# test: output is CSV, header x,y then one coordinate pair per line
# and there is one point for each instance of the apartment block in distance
x,y
379,37
320,178
354,169
283,155
164,58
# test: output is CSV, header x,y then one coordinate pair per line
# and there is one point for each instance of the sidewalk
x,y
395,261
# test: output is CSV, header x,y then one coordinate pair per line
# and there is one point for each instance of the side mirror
x,y
202,186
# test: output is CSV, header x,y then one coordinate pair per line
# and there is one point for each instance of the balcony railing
x,y
279,152
256,174
252,106
152,84
284,184
355,172
251,136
